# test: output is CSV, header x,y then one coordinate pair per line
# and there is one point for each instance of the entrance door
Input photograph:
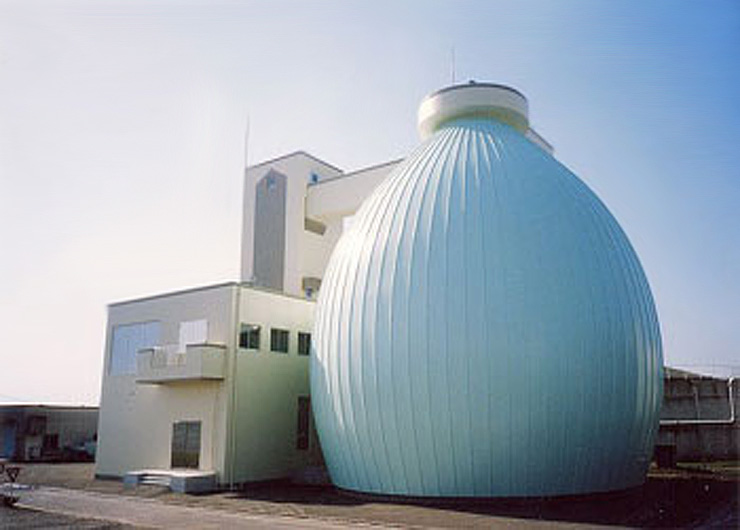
x,y
186,444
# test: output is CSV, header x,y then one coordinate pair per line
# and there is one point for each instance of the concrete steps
x,y
156,480
179,480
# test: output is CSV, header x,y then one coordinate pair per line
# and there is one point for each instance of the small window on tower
x,y
270,182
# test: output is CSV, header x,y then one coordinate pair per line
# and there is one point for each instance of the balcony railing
x,y
164,364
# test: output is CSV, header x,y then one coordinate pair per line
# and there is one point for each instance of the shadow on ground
x,y
663,502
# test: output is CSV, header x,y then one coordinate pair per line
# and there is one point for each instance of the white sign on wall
x,y
192,332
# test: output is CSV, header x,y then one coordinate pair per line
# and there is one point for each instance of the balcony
x,y
164,364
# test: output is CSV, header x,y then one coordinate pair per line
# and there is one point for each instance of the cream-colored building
x,y
208,387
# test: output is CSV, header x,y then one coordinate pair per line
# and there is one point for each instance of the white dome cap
x,y
490,100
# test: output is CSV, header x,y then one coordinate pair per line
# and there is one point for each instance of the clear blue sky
x,y
122,143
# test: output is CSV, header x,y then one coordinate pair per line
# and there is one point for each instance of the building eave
x,y
293,154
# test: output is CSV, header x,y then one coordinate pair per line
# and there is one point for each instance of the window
x,y
279,340
304,418
186,444
311,286
311,225
249,337
126,342
304,343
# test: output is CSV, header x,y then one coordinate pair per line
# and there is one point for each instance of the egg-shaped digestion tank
x,y
485,328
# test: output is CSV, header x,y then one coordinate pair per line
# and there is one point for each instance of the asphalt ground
x,y
693,496
152,513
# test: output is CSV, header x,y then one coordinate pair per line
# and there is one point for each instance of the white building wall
x,y
329,201
268,386
135,425
298,167
316,250
342,196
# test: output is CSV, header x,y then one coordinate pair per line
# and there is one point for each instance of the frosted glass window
x,y
192,332
127,340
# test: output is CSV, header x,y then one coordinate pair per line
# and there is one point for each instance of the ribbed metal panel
x,y
485,329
